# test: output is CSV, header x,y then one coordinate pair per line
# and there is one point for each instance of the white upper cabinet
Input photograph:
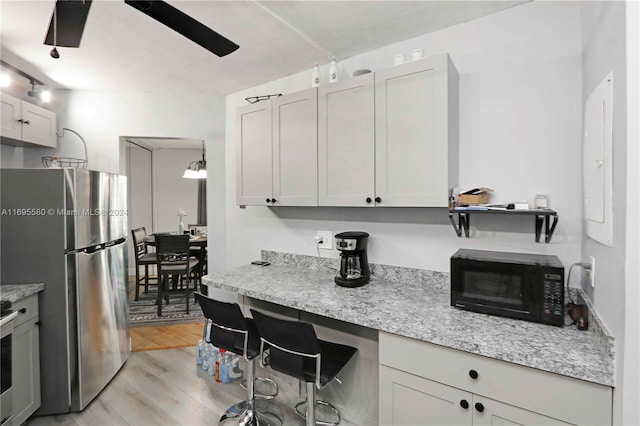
x,y
416,133
277,151
388,139
26,124
253,155
346,143
295,149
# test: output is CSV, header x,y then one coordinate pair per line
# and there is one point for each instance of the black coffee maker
x,y
354,267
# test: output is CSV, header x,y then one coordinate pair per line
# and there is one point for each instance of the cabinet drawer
x,y
560,397
26,308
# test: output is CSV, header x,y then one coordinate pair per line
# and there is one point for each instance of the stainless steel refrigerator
x,y
67,228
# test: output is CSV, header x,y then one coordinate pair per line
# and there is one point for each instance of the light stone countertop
x,y
416,304
15,292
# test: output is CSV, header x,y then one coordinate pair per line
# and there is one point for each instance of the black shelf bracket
x,y
543,218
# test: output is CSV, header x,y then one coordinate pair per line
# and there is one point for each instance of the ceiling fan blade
x,y
71,17
185,25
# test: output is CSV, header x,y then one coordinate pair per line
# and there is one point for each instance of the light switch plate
x,y
327,240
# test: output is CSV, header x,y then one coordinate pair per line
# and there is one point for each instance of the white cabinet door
x,y
416,133
10,116
295,149
409,400
488,412
39,125
346,158
253,155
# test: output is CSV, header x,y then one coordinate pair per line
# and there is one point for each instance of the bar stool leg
x,y
311,404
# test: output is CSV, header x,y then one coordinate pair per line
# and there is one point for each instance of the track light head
x,y
43,95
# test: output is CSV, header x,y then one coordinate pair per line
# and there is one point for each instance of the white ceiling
x,y
122,49
166,143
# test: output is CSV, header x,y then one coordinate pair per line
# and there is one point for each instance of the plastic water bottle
x,y
224,368
206,356
217,364
202,343
235,372
213,362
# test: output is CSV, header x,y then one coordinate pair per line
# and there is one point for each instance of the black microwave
x,y
524,286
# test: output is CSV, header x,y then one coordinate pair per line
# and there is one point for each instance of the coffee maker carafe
x,y
354,266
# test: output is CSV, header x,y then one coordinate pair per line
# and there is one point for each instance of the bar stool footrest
x,y
302,413
259,394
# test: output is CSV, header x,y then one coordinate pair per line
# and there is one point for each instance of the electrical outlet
x,y
592,271
324,239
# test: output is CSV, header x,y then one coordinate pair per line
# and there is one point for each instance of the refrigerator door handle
x,y
97,247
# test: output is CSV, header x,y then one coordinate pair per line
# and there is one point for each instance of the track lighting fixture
x,y
54,52
43,95
35,92
197,169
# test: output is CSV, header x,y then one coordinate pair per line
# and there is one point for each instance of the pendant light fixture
x,y
197,169
54,52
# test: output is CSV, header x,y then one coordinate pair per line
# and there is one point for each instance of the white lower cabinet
x,y
433,385
25,368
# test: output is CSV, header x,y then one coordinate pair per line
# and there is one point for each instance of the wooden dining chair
x,y
174,261
144,258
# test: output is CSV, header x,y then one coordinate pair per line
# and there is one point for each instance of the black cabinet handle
x,y
268,200
479,407
473,374
378,199
464,404
368,200
23,310
38,323
26,122
273,200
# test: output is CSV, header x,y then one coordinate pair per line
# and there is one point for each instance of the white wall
x,y
520,119
102,117
610,45
172,191
604,50
631,364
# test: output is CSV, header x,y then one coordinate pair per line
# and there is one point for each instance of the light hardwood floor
x,y
165,337
163,387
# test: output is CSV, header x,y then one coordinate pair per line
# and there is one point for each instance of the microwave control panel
x,y
552,301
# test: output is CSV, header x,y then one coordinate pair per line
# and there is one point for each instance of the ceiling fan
x,y
69,18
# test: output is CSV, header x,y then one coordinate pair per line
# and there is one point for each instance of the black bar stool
x,y
295,350
233,332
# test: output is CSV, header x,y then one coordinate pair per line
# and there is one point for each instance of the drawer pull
x,y
473,374
38,323
464,403
368,200
378,200
23,310
479,407
268,200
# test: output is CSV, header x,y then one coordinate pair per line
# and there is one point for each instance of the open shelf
x,y
546,218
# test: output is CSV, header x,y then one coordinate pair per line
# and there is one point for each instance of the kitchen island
x,y
415,304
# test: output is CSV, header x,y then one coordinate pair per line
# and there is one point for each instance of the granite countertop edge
x,y
16,292
394,306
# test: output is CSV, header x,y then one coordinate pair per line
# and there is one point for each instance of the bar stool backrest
x,y
295,349
229,326
139,245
